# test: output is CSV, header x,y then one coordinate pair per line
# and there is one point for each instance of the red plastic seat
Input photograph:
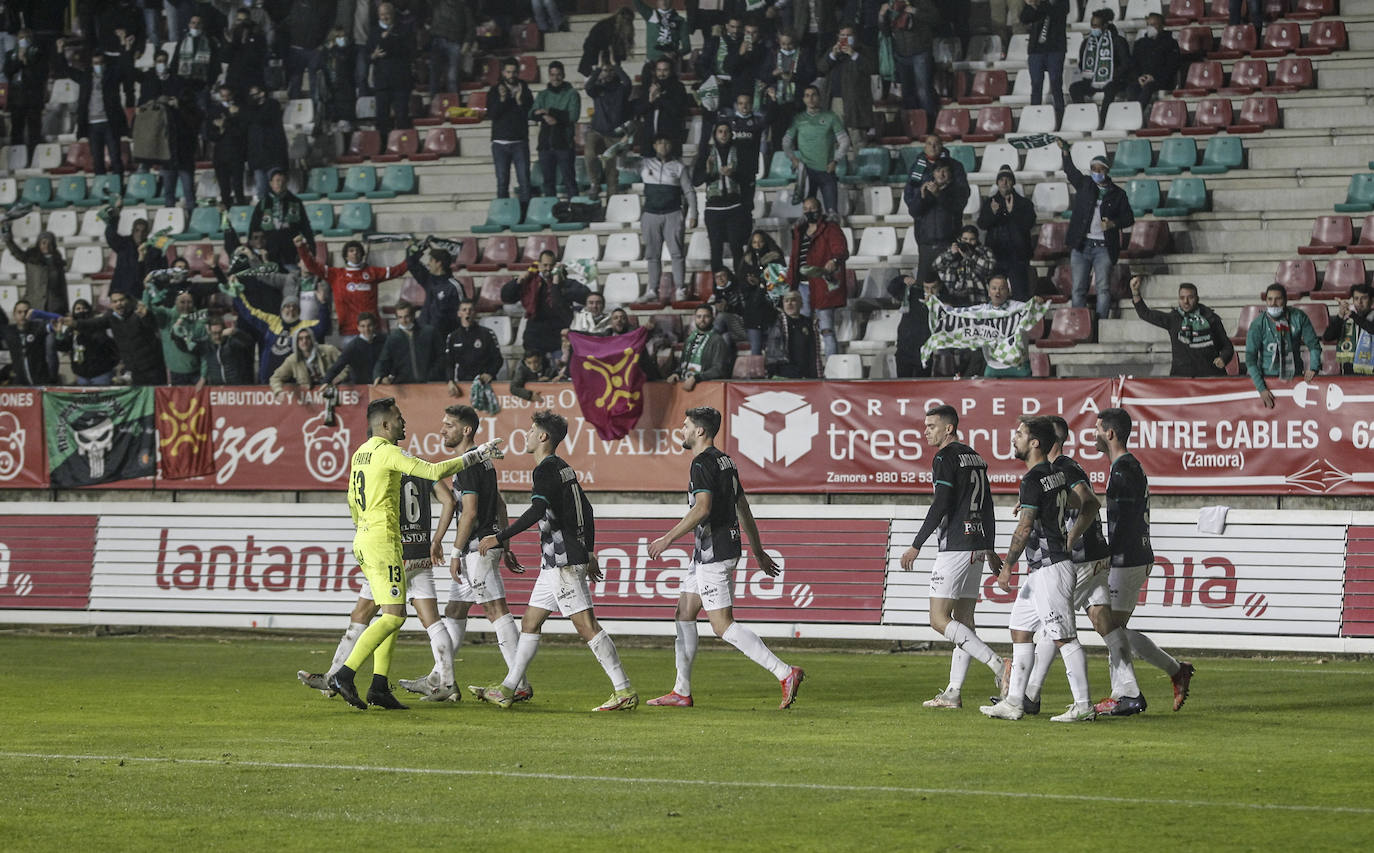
x,y
987,86
1062,281
439,142
1148,238
1317,313
1248,315
438,109
1298,277
77,159
1247,75
529,68
536,244
1203,77
489,297
1184,11
526,37
467,253
466,285
399,144
1166,117
1236,41
1341,275
904,127
364,144
1213,115
993,123
1219,13
1069,326
916,122
476,101
200,257
1051,242
491,75
951,124
498,251
1330,234
1306,10
1293,74
1280,37
1325,37
1256,113
1366,244
1194,41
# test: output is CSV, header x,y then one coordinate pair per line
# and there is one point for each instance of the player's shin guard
x,y
1022,656
604,648
457,632
382,629
1076,666
1045,653
439,645
1120,665
524,653
748,642
962,637
958,670
346,644
1145,649
685,650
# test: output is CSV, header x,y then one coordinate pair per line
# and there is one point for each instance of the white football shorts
x,y
1090,584
1045,602
563,589
480,580
1124,583
956,574
712,582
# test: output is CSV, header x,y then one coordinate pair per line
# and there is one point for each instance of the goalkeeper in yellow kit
x,y
373,499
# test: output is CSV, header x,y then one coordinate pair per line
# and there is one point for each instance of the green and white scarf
x,y
693,351
1001,331
1099,58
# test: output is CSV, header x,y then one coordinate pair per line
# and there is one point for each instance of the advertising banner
x,y
45,561
184,442
23,463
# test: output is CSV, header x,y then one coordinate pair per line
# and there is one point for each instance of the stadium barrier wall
x,y
1274,580
802,437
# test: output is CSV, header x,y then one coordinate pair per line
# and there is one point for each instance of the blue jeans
x,y
546,15
103,141
1087,263
824,186
556,162
1256,14
300,60
103,379
917,76
506,154
169,184
445,56
1040,63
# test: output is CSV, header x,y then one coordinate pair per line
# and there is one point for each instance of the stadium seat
x,y
1325,37
1132,156
397,179
1280,37
1186,195
1078,118
1194,41
241,218
358,182
87,261
1050,243
47,156
1202,77
780,172
994,122
1248,315
1293,74
1143,195
871,165
844,366
877,242
141,187
355,218
400,144
1236,41
364,145
1298,277
1359,198
1317,313
77,159
1257,113
438,109
529,68
15,158
321,181
502,213
1017,48
489,297
1068,326
37,191
1176,154
500,326
995,157
320,214
103,189
1045,160
622,210
621,288
1166,117
1330,234
1050,198
1182,12
916,123
1247,75
1306,10
878,201
1122,117
622,248
439,142
62,224
1147,239
476,101
1035,119
498,252
1222,154
71,190
9,191
987,86
581,246
1138,10
204,224
467,253
200,258
1212,115
749,367
1366,244
1341,274
952,124
880,333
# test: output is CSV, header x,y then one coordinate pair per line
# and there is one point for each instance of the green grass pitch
x,y
208,742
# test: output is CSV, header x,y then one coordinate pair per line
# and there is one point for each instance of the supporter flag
x,y
185,448
609,382
99,436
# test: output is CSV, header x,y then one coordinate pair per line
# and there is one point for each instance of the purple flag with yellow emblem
x,y
608,380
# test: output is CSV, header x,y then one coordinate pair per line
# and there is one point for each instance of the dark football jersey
x,y
1128,513
1043,490
1092,545
416,529
717,536
968,524
567,531
479,480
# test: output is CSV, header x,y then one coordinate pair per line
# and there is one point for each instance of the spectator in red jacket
x,y
817,269
354,285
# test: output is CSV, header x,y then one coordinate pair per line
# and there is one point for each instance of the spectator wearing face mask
x,y
1104,63
100,117
157,82
196,63
1101,213
245,49
964,269
1274,345
228,130
1155,59
267,151
94,355
26,69
275,334
819,251
391,48
353,285
338,96
281,218
728,219
183,134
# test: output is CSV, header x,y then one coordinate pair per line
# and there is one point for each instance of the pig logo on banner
x,y
762,443
326,449
12,437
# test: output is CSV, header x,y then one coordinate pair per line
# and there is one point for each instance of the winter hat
x,y
1101,159
1006,172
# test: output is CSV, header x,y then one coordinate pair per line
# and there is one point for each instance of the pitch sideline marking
x,y
633,780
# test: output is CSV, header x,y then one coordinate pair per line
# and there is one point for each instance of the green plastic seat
x,y
204,225
142,187
397,180
871,165
1132,156
1186,195
502,213
538,216
902,163
358,182
103,190
241,217
1176,155
71,189
38,191
322,181
966,157
1360,197
321,216
355,218
1143,195
780,172
1222,154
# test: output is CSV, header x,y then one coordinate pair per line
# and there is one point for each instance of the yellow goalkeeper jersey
x,y
374,481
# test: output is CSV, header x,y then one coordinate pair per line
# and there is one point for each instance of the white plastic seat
x,y
300,112
1083,152
9,294
1080,118
10,266
877,242
846,326
995,156
699,247
910,250
1036,119
1050,198
15,157
1020,89
878,201
622,211
92,226
79,291
127,216
622,248
1018,49
1124,117
46,155
844,366
975,200
64,91
9,191
1074,41
580,246
87,260
621,289
27,229
880,332
783,208
169,219
946,51
62,223
1047,159
500,326
1138,10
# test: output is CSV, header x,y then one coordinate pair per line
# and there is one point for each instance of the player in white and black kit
x,y
717,508
962,511
1045,599
567,540
1128,532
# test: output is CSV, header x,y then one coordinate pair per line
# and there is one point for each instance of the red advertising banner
x,y
1357,603
23,462
1216,436
870,436
46,561
649,458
